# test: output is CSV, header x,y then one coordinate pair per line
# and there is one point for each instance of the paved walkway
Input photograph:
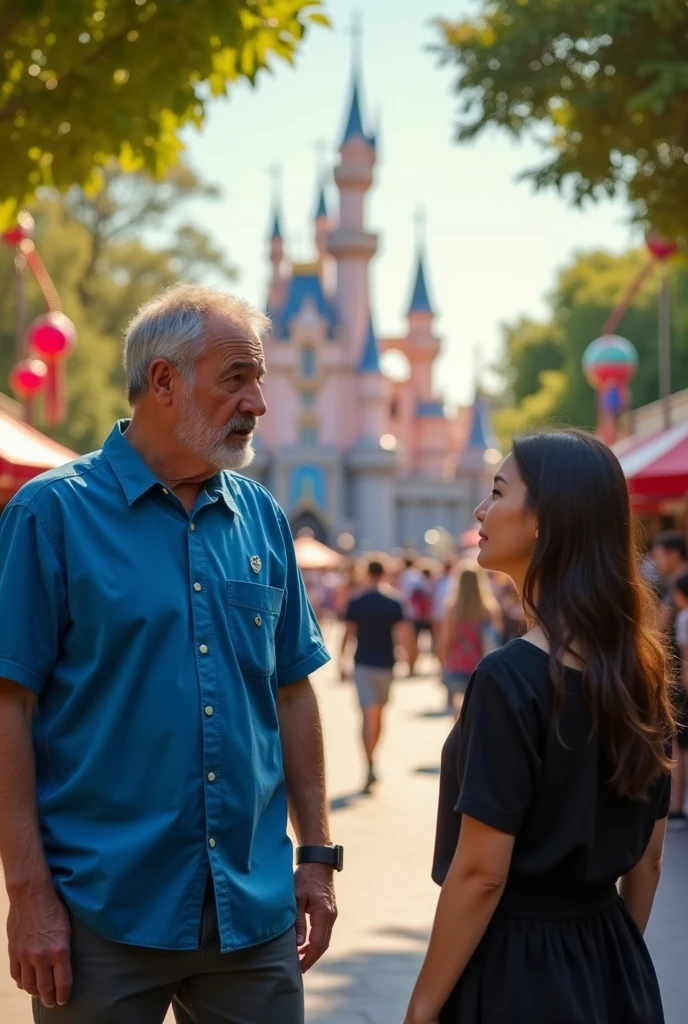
x,y
385,895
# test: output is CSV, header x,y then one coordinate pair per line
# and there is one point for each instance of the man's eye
x,y
496,493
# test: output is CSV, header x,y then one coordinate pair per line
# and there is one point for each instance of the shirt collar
x,y
136,478
132,472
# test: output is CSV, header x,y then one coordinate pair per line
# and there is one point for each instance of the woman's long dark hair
x,y
584,589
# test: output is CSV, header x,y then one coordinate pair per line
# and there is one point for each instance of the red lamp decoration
x,y
609,365
28,377
51,337
661,248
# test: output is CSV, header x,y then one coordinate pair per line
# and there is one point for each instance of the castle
x,y
344,448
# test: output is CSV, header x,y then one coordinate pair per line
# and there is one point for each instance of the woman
x,y
555,781
471,628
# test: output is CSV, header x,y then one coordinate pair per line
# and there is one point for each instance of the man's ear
x,y
162,379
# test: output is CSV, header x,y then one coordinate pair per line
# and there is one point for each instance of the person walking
x,y
555,782
374,621
442,591
156,716
472,627
670,555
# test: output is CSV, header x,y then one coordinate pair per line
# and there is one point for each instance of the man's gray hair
x,y
171,326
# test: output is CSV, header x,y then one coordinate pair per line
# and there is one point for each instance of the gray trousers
x,y
118,984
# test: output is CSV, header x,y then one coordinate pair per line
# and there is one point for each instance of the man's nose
x,y
253,404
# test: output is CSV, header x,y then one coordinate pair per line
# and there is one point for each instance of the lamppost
x,y
662,250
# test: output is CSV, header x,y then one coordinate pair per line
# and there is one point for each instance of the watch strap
x,y
331,855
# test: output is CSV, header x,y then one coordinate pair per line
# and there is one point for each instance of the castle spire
x,y
420,300
276,231
480,436
370,358
321,208
354,124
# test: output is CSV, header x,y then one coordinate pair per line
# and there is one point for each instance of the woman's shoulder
x,y
519,667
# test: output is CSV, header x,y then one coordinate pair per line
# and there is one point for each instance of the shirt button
x,y
211,776
211,842
208,711
165,491
197,586
193,526
258,621
203,649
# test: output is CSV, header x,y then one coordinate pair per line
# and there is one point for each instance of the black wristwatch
x,y
332,855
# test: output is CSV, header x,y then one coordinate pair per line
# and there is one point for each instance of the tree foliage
x,y
82,81
93,249
542,361
608,83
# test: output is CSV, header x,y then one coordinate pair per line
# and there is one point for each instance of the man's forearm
x,y
304,762
21,847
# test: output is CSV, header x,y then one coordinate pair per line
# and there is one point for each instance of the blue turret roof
x,y
480,436
430,410
370,358
276,226
321,210
354,124
420,300
300,288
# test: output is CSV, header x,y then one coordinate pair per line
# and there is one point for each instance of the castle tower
x,y
372,393
423,346
277,281
373,469
481,456
323,226
351,245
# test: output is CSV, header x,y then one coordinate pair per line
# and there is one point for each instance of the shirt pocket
x,y
253,611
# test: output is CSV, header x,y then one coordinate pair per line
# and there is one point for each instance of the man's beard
x,y
195,433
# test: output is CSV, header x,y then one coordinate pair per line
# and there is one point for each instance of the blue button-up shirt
x,y
157,642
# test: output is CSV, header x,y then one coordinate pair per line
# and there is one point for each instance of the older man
x,y
155,708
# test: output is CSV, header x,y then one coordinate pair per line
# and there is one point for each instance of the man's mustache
x,y
242,424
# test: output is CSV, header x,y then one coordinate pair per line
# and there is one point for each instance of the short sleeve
x,y
33,598
498,759
663,797
398,613
299,646
351,613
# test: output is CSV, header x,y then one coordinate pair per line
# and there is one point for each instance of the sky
x,y
493,245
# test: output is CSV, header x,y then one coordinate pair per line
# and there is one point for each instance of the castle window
x,y
308,399
308,435
307,362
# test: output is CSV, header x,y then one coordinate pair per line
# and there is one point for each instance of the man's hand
x,y
38,931
315,900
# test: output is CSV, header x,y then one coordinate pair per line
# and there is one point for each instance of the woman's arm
x,y
639,886
469,898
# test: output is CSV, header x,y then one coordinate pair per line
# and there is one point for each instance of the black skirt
x,y
555,955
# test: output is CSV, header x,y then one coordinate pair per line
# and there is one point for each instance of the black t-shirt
x,y
504,765
375,615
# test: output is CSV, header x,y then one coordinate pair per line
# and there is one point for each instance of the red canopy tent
x,y
24,453
656,465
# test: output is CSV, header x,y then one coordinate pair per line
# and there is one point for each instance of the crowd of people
x,y
394,610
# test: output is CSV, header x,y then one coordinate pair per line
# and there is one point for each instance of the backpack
x,y
421,605
467,647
